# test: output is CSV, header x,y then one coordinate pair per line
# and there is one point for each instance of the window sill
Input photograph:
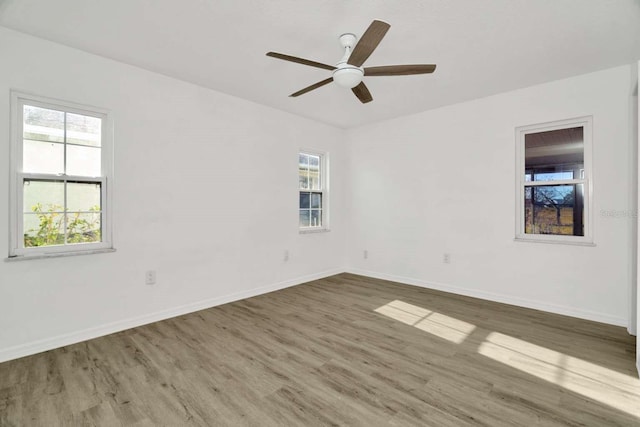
x,y
312,231
553,242
58,255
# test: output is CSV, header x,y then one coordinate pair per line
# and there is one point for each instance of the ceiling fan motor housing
x,y
348,76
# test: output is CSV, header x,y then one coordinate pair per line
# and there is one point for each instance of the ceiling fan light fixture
x,y
348,76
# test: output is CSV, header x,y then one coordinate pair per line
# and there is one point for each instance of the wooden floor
x,y
345,350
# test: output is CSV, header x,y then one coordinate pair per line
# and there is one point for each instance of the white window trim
x,y
324,185
586,123
16,244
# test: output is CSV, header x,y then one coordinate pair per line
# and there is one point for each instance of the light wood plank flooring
x,y
346,350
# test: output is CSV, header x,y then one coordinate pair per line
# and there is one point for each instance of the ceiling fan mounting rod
x,y
347,41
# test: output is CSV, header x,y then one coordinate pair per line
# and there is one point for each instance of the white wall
x,y
205,193
444,181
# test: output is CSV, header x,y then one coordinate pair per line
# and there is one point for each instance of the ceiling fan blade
x,y
368,42
362,93
300,60
399,70
312,87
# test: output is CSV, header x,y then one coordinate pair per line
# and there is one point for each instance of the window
x,y
312,187
554,187
60,168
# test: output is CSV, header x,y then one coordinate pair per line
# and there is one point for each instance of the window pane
x,y
305,199
42,157
554,209
83,161
316,200
304,182
558,174
43,229
83,227
304,217
84,130
43,124
83,196
303,171
554,155
316,218
43,196
314,173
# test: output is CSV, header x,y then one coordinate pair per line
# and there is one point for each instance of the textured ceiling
x,y
480,47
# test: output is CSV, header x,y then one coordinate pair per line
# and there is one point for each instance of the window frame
x,y
17,250
586,122
324,190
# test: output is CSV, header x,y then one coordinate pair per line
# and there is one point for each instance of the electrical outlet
x,y
150,277
286,255
446,258
365,254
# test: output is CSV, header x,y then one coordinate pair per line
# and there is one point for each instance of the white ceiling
x,y
481,47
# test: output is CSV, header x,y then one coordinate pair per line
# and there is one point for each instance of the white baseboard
x,y
506,299
121,325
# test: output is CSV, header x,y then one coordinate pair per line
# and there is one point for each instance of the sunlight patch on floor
x,y
438,324
588,379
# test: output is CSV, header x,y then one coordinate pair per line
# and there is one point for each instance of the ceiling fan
x,y
349,72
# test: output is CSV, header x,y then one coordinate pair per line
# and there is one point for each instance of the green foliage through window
x,y
81,227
